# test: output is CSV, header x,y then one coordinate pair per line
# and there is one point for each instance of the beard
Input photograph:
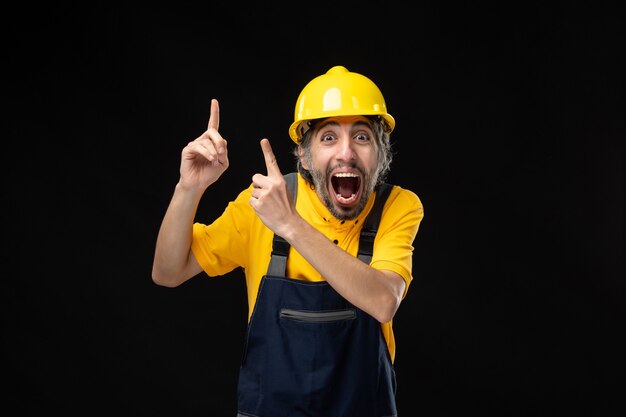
x,y
321,181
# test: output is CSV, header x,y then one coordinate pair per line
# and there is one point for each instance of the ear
x,y
301,158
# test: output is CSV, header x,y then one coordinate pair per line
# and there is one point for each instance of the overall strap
x,y
280,248
370,227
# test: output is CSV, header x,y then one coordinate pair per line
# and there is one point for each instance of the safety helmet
x,y
339,92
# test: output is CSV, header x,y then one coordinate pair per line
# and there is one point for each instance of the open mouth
x,y
345,187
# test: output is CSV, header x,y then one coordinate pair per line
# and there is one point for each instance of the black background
x,y
510,128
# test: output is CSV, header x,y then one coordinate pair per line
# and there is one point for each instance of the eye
x,y
327,137
362,137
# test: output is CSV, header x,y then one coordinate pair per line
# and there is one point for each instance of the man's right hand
x,y
205,159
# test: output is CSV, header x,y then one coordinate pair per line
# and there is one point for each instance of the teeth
x,y
345,200
345,175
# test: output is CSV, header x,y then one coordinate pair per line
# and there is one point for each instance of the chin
x,y
345,213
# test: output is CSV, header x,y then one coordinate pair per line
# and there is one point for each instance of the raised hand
x,y
205,159
271,199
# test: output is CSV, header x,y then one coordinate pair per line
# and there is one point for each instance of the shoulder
x,y
403,206
402,197
240,206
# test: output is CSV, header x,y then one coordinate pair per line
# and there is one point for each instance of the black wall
x,y
510,127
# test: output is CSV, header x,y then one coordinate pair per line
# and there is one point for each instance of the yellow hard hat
x,y
339,92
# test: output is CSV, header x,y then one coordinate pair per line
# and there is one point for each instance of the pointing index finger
x,y
214,118
270,158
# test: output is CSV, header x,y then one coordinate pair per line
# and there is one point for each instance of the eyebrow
x,y
334,123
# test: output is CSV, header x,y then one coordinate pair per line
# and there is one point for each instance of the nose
x,y
345,150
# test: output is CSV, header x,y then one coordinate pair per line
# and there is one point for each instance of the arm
x,y
203,161
376,292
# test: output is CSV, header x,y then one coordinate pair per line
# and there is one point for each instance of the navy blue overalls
x,y
309,352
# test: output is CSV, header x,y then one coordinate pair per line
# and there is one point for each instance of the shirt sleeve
x,y
393,245
217,246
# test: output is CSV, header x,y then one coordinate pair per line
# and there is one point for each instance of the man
x,y
320,339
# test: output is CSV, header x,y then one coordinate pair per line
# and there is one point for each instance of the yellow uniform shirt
x,y
238,238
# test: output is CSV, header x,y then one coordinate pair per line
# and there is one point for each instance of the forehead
x,y
360,121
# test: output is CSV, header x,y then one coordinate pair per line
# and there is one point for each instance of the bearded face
x,y
342,160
